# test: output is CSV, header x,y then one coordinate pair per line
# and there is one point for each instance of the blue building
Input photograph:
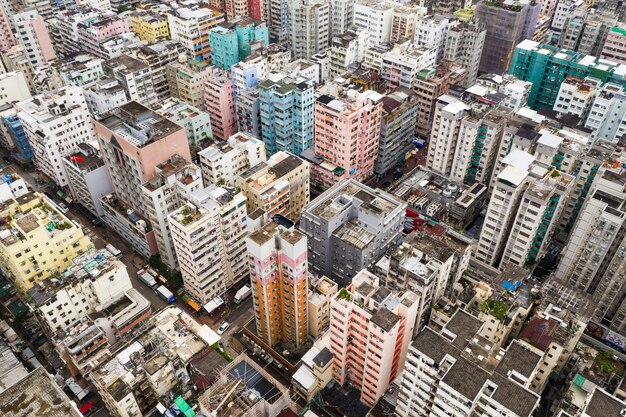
x,y
235,40
20,150
286,107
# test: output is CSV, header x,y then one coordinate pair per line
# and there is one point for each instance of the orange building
x,y
278,276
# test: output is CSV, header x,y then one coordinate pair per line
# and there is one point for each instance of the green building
x,y
235,40
547,66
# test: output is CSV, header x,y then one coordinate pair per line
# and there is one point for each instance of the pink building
x,y
7,39
615,45
370,331
219,99
33,35
92,31
347,133
133,141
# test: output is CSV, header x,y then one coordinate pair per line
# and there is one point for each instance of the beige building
x,y
187,79
278,186
38,241
321,291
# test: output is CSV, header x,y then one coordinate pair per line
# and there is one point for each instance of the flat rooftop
x,y
34,396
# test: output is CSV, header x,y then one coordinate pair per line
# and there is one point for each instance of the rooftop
x,y
36,395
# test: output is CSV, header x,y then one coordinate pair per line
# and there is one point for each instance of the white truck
x,y
76,389
243,293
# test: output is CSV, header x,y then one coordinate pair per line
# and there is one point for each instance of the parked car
x,y
63,207
223,327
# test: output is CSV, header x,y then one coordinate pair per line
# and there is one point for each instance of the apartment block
x,y
149,26
208,235
219,102
397,131
94,281
456,372
405,21
275,14
286,107
309,27
197,123
321,291
93,32
249,112
13,88
236,40
316,370
350,226
80,70
174,180
187,81
191,27
13,137
134,76
401,64
133,141
32,34
158,56
224,161
370,332
615,45
88,177
55,123
342,16
546,67
429,85
591,260
609,105
576,96
104,95
348,49
339,153
431,31
507,25
279,278
376,17
278,186
7,38
464,46
38,242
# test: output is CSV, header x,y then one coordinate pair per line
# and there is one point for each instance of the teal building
x,y
235,40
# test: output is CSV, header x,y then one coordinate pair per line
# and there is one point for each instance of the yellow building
x,y
150,27
36,240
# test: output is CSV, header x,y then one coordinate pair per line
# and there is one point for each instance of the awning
x,y
193,305
184,407
214,304
86,407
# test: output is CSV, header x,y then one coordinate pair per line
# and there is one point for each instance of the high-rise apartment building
x,y
279,276
7,38
308,26
197,123
279,186
405,21
158,56
236,40
191,27
593,260
457,372
464,46
134,76
347,134
400,65
219,102
371,329
187,81
349,226
546,67
93,32
174,180
342,16
607,114
397,131
134,140
275,14
286,106
507,23
347,49
223,161
208,233
32,34
149,26
55,124
615,45
375,16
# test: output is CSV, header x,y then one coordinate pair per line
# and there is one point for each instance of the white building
x,y
576,96
55,124
104,96
607,116
170,188
88,177
308,27
401,65
13,87
32,34
134,76
464,46
222,162
342,16
81,70
376,17
347,49
209,237
432,31
459,373
94,281
191,26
